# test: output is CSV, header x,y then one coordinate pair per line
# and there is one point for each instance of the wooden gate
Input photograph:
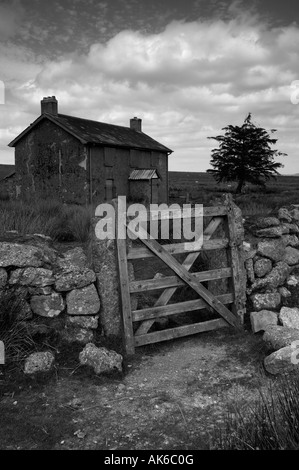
x,y
144,318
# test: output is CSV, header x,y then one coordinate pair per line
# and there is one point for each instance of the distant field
x,y
203,189
188,179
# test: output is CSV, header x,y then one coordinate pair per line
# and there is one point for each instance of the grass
x,y
203,189
271,424
72,222
47,217
13,331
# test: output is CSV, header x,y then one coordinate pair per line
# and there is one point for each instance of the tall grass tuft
x,y
271,424
48,217
13,331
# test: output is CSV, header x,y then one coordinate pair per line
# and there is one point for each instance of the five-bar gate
x,y
230,306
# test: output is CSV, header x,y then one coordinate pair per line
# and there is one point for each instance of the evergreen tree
x,y
245,155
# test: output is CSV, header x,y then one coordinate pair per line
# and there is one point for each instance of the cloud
x,y
186,82
11,14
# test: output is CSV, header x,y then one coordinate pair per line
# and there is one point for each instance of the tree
x,y
245,155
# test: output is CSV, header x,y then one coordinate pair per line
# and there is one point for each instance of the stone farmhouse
x,y
87,162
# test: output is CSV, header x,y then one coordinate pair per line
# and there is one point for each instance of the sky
x,y
187,68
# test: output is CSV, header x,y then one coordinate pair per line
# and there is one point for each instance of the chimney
x,y
136,124
49,105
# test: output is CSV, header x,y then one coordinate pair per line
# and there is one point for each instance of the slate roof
x,y
94,132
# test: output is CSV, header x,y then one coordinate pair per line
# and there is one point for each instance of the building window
x,y
109,156
109,190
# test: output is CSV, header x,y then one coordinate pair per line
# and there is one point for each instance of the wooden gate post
x,y
235,236
121,243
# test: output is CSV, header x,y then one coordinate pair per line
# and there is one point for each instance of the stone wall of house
x,y
49,162
9,188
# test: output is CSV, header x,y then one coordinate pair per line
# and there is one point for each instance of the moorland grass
x,y
48,217
272,423
13,330
203,189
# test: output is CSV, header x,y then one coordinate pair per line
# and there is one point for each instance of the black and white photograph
x,y
149,228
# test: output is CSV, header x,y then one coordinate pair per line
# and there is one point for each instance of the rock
x,y
47,305
272,249
271,232
277,337
260,320
41,235
75,403
285,229
291,256
83,321
283,214
247,246
38,277
75,257
74,278
14,254
247,254
83,301
293,228
239,228
289,317
262,267
100,359
77,335
294,214
47,290
3,277
105,266
249,270
293,280
282,361
266,301
290,240
39,362
266,222
275,278
284,292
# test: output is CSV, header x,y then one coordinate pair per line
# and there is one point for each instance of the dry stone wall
x,y
272,259
272,265
56,290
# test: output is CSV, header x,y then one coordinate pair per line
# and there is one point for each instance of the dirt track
x,y
172,397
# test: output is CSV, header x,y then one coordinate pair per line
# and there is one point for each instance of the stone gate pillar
x,y
105,265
